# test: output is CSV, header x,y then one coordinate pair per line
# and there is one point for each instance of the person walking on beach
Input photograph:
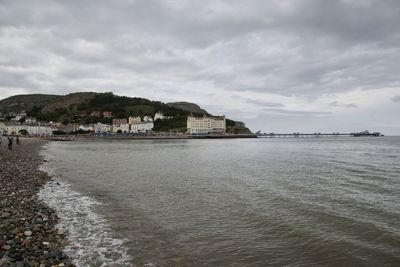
x,y
18,140
10,142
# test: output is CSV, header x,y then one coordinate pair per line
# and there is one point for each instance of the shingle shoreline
x,y
28,236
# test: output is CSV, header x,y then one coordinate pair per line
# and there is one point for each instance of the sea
x,y
321,201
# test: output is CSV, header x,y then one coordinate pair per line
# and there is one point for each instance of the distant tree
x,y
23,132
54,115
230,122
80,131
178,122
59,132
9,117
35,111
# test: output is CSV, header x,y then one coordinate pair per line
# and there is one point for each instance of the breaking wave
x,y
90,238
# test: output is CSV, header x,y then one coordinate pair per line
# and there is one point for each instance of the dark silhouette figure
x,y
10,142
18,140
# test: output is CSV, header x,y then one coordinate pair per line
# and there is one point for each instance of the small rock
x,y
16,231
28,233
61,231
26,243
5,261
6,247
5,215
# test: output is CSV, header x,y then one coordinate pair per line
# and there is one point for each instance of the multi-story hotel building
x,y
206,125
32,130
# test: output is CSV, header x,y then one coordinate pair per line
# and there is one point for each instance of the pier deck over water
x,y
308,135
211,136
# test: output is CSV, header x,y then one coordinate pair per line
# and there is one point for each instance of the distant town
x,y
103,115
21,124
107,115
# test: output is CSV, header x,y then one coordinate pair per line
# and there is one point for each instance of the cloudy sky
x,y
279,66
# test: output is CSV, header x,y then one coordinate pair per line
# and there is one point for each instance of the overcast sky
x,y
279,66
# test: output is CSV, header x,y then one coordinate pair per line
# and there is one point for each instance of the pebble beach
x,y
28,233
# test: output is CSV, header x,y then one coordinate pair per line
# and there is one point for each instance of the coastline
x,y
149,137
28,236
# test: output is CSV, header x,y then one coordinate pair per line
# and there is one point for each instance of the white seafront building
x,y
86,127
142,127
39,130
160,116
120,125
147,119
102,128
139,126
32,130
206,125
123,128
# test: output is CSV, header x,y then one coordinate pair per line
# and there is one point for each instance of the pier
x,y
310,135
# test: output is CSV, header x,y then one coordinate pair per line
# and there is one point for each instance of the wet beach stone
x,y
28,236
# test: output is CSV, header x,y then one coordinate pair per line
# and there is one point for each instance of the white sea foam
x,y
90,239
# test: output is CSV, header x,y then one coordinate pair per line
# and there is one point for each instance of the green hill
x,y
190,107
19,103
88,107
81,107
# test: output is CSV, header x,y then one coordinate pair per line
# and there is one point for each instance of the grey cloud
x,y
337,104
396,99
263,103
12,79
130,31
350,20
284,112
21,79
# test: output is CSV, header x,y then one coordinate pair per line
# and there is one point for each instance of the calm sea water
x,y
253,202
